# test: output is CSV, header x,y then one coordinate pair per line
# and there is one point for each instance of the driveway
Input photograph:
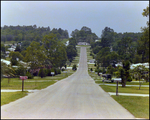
x,y
77,96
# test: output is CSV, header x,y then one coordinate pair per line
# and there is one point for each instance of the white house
x,y
144,64
11,49
6,61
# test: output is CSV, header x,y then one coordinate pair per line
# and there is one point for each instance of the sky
x,y
121,16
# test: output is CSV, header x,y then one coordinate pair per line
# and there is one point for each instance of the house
x,y
12,49
92,61
6,61
135,65
83,43
7,53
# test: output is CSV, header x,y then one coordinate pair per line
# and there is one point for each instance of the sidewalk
x,y
8,90
129,94
126,85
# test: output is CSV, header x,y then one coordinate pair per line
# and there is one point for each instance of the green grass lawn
x,y
36,83
127,89
7,97
88,54
138,106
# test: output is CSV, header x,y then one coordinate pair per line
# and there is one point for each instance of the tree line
x,y
30,33
84,35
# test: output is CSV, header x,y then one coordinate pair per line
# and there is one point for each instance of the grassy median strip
x,y
7,97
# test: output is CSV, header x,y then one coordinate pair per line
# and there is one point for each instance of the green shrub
x,y
58,71
129,79
42,73
29,75
74,67
98,70
48,72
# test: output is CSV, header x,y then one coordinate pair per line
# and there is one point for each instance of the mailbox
x,y
117,80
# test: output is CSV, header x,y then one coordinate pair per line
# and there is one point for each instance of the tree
x,y
71,52
49,43
42,73
110,70
7,70
15,57
139,70
103,57
18,48
114,58
107,37
124,48
126,67
35,55
20,71
61,55
143,43
84,35
96,49
73,42
105,42
3,49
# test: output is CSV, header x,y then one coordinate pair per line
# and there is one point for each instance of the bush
x,y
98,70
29,75
103,71
42,73
55,71
74,67
36,73
48,72
129,79
58,71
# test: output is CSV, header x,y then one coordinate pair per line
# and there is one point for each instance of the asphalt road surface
x,y
77,96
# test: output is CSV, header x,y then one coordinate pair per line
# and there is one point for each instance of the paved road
x,y
74,97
